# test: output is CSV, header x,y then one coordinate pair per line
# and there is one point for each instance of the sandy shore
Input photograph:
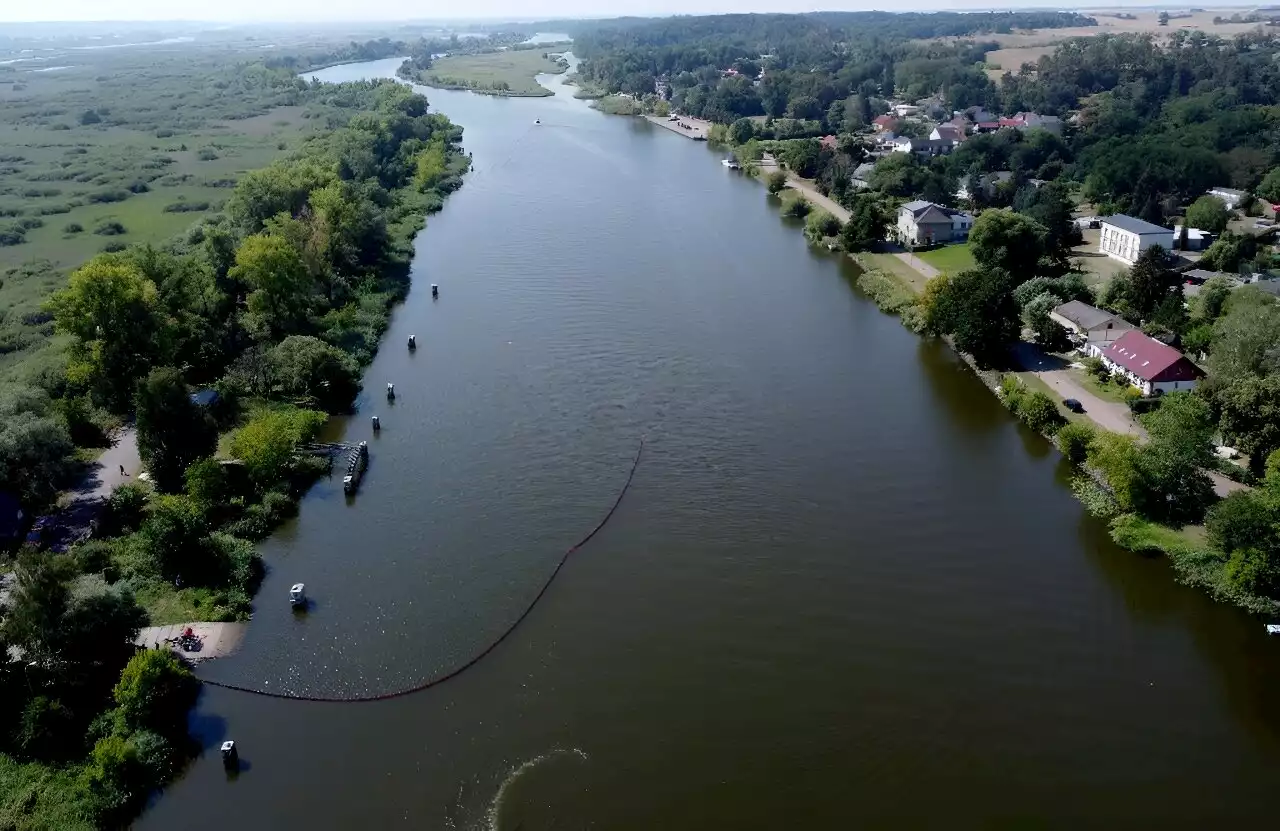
x,y
698,129
217,640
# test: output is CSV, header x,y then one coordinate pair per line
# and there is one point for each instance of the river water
x,y
846,588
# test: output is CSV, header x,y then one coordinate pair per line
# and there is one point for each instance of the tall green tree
x,y
173,431
868,217
978,309
1208,213
280,288
113,313
307,368
1008,241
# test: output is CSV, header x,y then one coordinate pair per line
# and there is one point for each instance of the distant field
x,y
120,147
1026,47
493,73
951,259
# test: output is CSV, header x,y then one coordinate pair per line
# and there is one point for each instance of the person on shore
x,y
122,473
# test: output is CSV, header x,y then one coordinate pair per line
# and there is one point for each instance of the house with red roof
x,y
1151,366
828,142
884,123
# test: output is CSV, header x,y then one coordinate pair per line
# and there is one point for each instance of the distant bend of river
x,y
846,588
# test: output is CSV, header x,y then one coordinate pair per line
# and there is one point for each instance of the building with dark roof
x,y
1151,366
1125,237
1089,324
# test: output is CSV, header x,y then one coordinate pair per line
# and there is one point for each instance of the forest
x,y
271,305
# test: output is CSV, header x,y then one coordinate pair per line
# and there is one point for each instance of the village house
x,y
923,146
1196,240
976,115
1152,367
828,142
1089,324
948,132
1035,121
985,184
927,223
861,177
884,123
1125,237
1230,197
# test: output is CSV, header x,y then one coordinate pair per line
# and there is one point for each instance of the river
x,y
846,587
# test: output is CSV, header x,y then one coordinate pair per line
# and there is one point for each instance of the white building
x,y
1230,197
1125,237
1197,240
926,223
1089,324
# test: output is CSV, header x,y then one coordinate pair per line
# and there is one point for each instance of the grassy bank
x,y
510,73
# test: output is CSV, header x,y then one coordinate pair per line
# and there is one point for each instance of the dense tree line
x,y
274,305
815,66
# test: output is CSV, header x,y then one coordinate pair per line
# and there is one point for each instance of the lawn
x,y
950,259
892,265
509,73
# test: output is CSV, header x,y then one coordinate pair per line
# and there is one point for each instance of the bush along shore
x,y
1154,492
228,346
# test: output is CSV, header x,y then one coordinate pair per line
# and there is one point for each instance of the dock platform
x,y
698,129
216,640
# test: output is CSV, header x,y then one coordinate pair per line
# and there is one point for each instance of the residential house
x,y
976,115
1125,237
1035,121
948,132
923,146
1089,324
1146,363
206,397
986,184
927,223
986,126
904,110
828,142
1197,240
884,123
1200,275
932,108
861,178
1230,197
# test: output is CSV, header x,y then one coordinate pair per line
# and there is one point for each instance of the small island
x,y
508,72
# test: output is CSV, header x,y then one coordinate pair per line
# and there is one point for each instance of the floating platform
x,y
357,461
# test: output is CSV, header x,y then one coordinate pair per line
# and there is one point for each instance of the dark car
x,y
1073,405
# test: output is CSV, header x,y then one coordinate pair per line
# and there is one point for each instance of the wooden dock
x,y
698,129
216,640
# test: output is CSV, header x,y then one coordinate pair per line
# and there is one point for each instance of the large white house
x,y
1125,237
926,223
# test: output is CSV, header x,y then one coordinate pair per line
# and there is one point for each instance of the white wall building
x,y
1230,197
1125,237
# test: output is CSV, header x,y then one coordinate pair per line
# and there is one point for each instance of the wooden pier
x,y
698,129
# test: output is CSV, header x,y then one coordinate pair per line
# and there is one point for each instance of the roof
x,y
828,141
863,170
1134,225
920,208
988,125
1149,359
1231,191
1083,315
950,131
883,120
1202,275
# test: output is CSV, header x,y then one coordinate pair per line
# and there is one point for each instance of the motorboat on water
x,y
298,594
1273,628
732,164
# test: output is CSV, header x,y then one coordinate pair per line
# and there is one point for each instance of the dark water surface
x,y
846,589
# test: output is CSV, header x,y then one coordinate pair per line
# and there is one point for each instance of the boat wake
x,y
493,815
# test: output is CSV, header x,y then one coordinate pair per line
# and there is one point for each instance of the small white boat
x,y
298,594
1273,628
732,164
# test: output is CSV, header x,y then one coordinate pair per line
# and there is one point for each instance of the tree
x,y
977,307
1138,294
307,368
1208,213
1229,252
280,296
35,450
802,156
281,188
1002,239
266,444
1243,520
1181,432
1208,304
1269,188
155,692
1040,412
1245,340
867,220
206,483
1051,206
112,311
40,598
1163,18
1073,440
820,224
741,131
1048,332
174,538
173,431
1250,416
777,182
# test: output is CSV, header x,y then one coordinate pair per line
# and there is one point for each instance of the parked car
x,y
1073,405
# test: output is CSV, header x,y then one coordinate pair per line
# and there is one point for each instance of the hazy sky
x,y
315,10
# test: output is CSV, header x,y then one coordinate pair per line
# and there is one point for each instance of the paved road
x,y
811,193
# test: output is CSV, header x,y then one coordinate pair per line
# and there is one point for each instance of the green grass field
x,y
894,266
493,73
951,259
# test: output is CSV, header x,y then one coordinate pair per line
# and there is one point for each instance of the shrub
x,y
206,154
12,235
1073,440
777,182
110,229
139,186
126,510
1096,499
114,246
1040,412
181,207
106,196
73,228
797,208
820,225
155,692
